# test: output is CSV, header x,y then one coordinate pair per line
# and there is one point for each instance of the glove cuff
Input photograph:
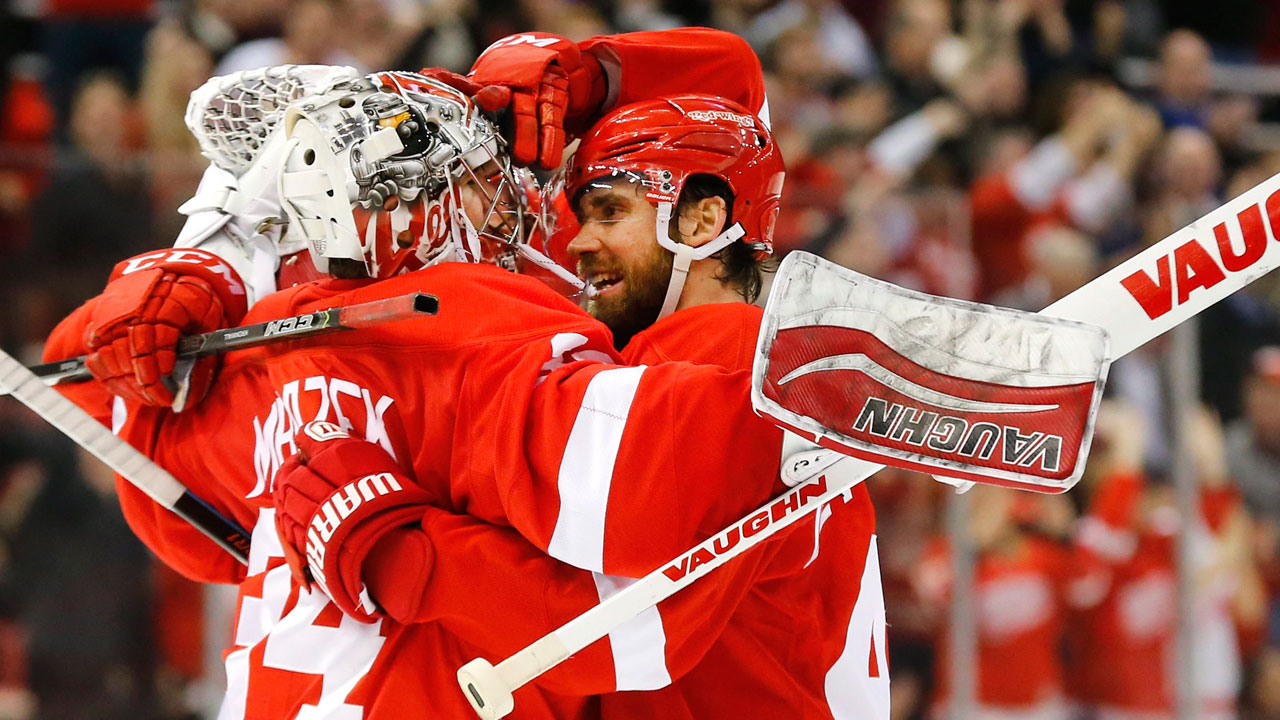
x,y
221,277
588,89
347,524
348,587
516,60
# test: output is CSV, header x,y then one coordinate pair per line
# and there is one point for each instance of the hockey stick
x,y
247,336
1135,302
157,483
17,380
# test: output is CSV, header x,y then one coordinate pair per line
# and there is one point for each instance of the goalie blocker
x,y
944,386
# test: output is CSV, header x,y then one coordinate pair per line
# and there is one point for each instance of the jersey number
x,y
292,642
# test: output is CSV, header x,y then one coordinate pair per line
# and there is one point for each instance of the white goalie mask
x,y
399,171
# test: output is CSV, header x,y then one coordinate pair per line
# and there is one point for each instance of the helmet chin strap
x,y
465,237
685,255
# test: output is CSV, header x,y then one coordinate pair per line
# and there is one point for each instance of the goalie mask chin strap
x,y
685,255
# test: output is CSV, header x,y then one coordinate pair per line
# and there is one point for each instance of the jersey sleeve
x,y
175,541
710,61
162,435
613,474
67,341
617,469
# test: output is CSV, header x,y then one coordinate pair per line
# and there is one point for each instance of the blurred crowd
x,y
1000,150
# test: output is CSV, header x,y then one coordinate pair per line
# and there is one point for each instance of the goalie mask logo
x,y
412,234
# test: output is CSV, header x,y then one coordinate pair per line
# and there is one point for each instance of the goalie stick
x,y
120,456
349,317
1134,302
30,389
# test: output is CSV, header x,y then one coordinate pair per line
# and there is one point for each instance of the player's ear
x,y
702,220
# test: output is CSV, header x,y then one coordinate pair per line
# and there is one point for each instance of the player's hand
x,y
334,500
148,305
490,98
555,89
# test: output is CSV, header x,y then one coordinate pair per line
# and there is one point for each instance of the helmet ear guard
x,y
686,254
307,185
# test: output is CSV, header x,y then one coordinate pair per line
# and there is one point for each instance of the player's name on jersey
x,y
354,408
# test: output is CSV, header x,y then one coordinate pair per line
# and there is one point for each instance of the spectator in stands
x,y
1184,80
76,579
176,65
1080,176
1127,658
1189,171
96,205
1027,578
312,33
1253,441
840,42
916,28
1060,260
1265,697
81,36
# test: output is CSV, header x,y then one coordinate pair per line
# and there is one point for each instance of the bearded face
x,y
619,257
632,302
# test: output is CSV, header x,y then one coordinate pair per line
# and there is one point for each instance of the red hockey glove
x,y
334,500
490,98
150,302
554,88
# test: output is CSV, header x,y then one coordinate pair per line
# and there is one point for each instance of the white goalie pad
x,y
944,386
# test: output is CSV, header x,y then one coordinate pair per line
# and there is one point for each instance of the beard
x,y
637,307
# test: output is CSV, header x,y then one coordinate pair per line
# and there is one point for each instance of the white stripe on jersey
x,y
852,694
639,645
586,471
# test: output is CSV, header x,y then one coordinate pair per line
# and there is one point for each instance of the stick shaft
x,y
120,456
311,324
1183,274
658,585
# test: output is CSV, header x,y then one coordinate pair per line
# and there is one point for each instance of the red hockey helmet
x,y
664,142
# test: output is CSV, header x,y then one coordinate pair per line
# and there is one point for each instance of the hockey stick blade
x,y
1135,302
351,317
17,380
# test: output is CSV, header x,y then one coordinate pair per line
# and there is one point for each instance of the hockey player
x,y
535,362
675,229
651,182
600,472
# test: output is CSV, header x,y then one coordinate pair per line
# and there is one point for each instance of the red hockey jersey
x,y
293,654
507,415
806,637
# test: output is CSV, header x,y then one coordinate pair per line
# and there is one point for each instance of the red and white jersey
x,y
1128,643
1021,600
804,636
509,415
